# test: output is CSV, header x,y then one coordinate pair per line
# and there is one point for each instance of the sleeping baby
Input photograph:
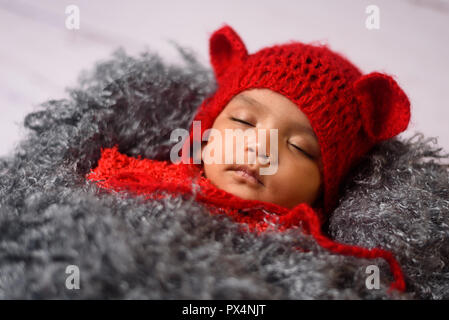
x,y
276,140
262,169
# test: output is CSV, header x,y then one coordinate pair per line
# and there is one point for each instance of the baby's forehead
x,y
302,124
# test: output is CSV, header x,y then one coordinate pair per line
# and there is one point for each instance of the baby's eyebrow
x,y
251,100
306,130
300,127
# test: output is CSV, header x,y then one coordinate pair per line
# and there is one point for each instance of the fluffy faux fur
x,y
128,248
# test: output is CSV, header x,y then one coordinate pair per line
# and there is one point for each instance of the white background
x,y
40,57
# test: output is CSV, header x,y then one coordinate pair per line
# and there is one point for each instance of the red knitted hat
x,y
348,111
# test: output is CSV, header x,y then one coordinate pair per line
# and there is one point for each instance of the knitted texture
x,y
156,180
348,111
173,248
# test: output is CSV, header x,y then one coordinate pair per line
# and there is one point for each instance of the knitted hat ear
x,y
384,107
226,49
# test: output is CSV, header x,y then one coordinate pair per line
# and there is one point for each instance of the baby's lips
x,y
251,171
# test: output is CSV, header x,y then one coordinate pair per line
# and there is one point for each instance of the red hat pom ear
x,y
226,50
384,107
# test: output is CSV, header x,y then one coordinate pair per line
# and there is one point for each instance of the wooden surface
x,y
39,56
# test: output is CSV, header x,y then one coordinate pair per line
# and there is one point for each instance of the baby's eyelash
x,y
241,121
308,155
295,146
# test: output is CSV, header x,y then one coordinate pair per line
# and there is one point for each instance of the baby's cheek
x,y
276,184
213,174
287,187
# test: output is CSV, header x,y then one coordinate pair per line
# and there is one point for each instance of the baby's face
x,y
298,175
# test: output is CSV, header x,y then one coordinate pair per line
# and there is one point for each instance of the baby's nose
x,y
256,150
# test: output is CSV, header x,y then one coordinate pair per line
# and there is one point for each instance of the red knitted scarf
x,y
158,179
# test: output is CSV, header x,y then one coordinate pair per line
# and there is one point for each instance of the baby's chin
x,y
243,191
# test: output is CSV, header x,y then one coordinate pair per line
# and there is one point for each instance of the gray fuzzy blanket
x,y
128,248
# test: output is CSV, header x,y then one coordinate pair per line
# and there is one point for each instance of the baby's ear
x,y
226,49
383,106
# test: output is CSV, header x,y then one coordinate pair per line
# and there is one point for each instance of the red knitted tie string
x,y
312,226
